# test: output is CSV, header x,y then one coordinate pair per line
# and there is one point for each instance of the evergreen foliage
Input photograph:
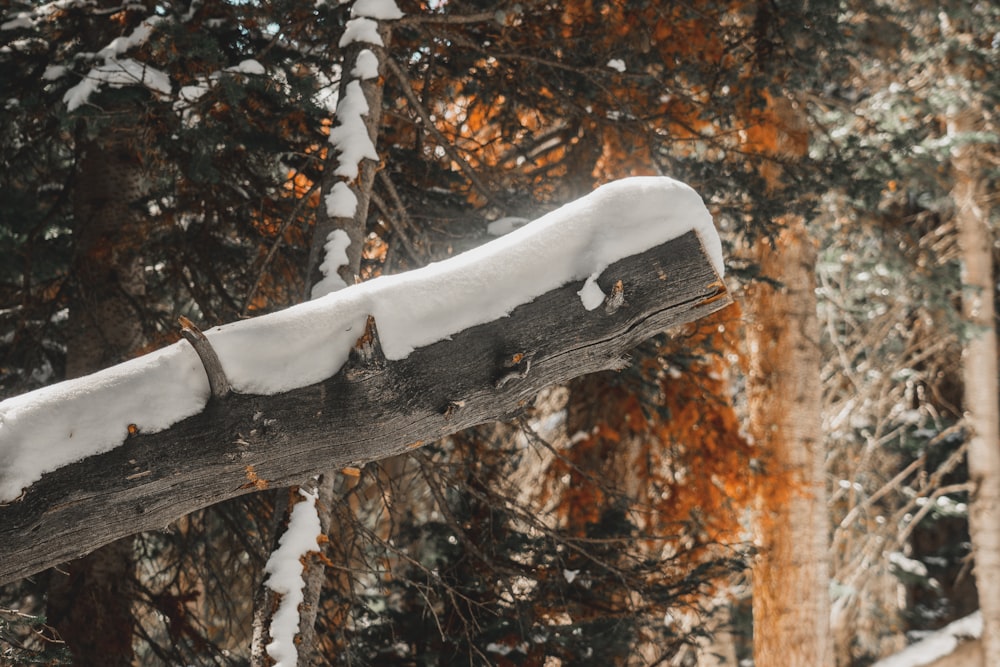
x,y
492,108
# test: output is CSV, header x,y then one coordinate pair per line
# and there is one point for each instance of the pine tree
x,y
490,110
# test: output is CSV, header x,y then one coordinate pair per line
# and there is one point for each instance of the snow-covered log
x,y
362,374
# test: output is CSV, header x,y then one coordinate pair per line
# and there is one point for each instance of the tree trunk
x,y
979,371
90,599
333,514
361,187
790,575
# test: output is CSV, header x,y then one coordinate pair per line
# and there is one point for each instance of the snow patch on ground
x,y
53,426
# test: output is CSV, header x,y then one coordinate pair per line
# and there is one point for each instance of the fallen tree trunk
x,y
371,409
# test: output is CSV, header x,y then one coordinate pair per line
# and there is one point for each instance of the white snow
x,y
248,66
383,10
138,37
341,202
285,570
53,426
366,66
361,30
591,293
191,94
81,92
617,64
21,20
119,72
500,649
188,95
334,257
53,72
129,72
350,136
505,225
907,565
937,645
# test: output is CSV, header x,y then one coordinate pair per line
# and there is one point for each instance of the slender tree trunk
x,y
791,607
361,187
979,371
90,599
330,487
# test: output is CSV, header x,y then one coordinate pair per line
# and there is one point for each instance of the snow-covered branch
x,y
350,171
356,376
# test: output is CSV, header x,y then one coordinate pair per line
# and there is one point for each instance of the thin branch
x,y
275,246
217,380
448,19
397,226
404,217
447,146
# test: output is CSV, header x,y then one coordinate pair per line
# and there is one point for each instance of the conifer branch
x,y
428,124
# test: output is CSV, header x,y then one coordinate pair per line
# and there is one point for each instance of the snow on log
x,y
359,375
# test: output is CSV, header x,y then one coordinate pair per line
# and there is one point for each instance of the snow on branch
x,y
57,425
284,570
352,141
120,72
365,373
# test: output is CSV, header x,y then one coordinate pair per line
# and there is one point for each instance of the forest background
x,y
807,478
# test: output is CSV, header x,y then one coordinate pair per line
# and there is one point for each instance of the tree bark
x,y
354,226
371,409
90,599
791,607
330,485
979,372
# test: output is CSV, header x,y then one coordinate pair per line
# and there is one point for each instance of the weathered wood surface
x,y
371,409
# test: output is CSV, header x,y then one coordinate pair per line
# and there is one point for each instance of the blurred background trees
x,y
166,159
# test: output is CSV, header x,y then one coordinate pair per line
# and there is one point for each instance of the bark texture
x,y
90,599
334,516
790,575
354,226
979,371
373,408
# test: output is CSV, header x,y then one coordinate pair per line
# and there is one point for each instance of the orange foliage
x,y
679,452
684,47
777,131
